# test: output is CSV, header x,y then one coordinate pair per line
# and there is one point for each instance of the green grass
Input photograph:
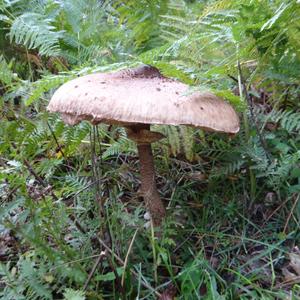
x,y
215,243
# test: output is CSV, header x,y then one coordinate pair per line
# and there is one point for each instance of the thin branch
x,y
232,77
275,210
290,214
99,259
252,115
56,141
34,174
127,255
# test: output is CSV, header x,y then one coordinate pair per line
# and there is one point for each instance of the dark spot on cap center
x,y
76,86
201,108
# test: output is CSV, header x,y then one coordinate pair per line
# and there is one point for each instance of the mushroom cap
x,y
141,95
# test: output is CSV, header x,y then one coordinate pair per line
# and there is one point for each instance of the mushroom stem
x,y
148,184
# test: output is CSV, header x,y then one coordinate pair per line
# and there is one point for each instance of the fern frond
x,y
173,139
279,171
71,294
75,183
213,8
73,136
179,140
35,32
288,120
41,86
36,288
228,169
188,141
121,145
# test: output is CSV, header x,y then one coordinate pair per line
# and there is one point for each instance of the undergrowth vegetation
x,y
72,223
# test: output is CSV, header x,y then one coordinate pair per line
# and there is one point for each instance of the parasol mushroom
x,y
136,98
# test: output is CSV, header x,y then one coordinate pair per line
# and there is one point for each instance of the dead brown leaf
x,y
291,272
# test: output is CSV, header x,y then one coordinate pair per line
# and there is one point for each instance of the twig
x,y
77,224
99,259
290,214
127,255
34,174
154,252
56,141
294,280
232,77
250,104
182,243
96,174
275,210
102,212
11,192
39,179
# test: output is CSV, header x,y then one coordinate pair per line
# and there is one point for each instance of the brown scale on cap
x,y
136,98
143,71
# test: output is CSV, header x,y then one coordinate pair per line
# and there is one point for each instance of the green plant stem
x,y
154,253
247,134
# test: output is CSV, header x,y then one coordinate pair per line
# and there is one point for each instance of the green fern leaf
x,y
34,31
71,294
